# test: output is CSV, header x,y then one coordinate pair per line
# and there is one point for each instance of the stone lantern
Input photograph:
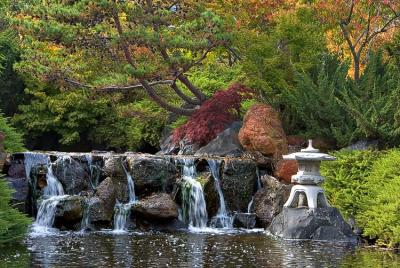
x,y
307,192
306,214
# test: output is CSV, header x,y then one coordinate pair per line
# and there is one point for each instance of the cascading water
x,y
54,187
222,219
53,192
94,176
259,186
46,213
193,203
122,211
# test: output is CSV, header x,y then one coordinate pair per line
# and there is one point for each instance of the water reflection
x,y
186,250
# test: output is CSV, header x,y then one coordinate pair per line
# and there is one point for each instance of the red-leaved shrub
x,y
214,115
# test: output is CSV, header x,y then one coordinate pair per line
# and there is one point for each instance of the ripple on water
x,y
184,249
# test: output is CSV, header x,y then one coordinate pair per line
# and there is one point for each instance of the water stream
x,y
122,211
222,219
193,203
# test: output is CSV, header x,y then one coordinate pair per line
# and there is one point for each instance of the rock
x,y
320,224
211,196
262,161
16,170
262,131
71,174
114,169
285,169
244,220
103,207
324,144
152,174
187,148
171,226
157,207
225,144
69,213
269,201
364,145
167,145
20,194
238,183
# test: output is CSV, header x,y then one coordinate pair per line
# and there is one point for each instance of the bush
x,y
13,224
374,102
346,179
214,116
13,140
314,107
365,185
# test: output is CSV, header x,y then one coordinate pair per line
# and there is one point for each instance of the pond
x,y
186,249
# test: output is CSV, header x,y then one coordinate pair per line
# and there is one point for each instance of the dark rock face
x,y
244,220
103,206
167,144
152,174
319,224
69,212
157,206
71,174
225,144
114,169
20,194
269,201
239,181
211,196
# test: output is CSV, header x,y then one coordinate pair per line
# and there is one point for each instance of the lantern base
x,y
306,196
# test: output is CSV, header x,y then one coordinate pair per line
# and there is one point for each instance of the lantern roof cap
x,y
310,153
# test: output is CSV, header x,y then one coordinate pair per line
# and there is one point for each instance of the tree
x,y
13,140
119,46
360,22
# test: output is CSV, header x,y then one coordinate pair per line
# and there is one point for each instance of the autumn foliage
x,y
214,115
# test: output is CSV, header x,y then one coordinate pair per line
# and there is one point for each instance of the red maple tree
x,y
214,116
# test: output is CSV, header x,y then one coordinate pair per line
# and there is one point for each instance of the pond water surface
x,y
186,249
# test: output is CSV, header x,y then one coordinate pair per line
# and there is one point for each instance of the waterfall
x,y
53,192
47,213
250,205
259,184
86,213
222,219
32,159
122,211
94,178
54,187
193,203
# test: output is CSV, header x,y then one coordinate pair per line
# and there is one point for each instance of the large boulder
x,y
104,201
158,206
114,169
225,144
152,174
20,193
239,180
167,144
285,169
262,131
269,201
244,220
69,212
71,174
210,196
319,224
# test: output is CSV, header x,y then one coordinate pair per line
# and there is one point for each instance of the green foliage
x,y
13,224
271,58
379,216
13,140
374,102
313,106
11,85
346,179
365,185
